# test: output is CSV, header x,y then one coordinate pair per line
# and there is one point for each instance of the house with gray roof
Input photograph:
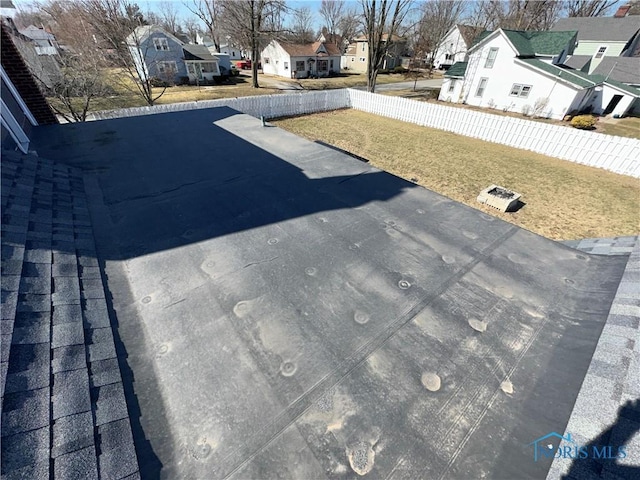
x,y
600,38
160,55
522,71
246,303
44,42
608,46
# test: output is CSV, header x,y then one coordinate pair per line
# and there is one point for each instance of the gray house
x,y
157,54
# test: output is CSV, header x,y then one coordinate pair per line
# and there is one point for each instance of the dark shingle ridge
x,y
64,412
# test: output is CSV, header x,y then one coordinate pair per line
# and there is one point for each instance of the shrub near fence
x,y
616,154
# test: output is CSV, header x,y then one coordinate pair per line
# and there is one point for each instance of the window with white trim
x,y
286,65
300,66
362,59
266,60
452,85
167,67
448,56
491,58
161,44
600,52
518,90
482,86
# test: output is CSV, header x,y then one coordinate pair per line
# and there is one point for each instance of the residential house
x,y
43,41
357,52
7,9
337,40
600,38
290,60
159,54
200,64
205,40
453,47
523,72
235,53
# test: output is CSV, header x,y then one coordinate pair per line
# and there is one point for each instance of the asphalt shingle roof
x,y
575,77
469,33
458,69
578,62
539,43
62,393
310,49
620,69
600,28
197,52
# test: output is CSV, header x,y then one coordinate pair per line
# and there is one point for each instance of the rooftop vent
x,y
499,197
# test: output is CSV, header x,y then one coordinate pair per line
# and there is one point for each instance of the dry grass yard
x,y
564,200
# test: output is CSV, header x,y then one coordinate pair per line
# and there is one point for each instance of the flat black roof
x,y
285,310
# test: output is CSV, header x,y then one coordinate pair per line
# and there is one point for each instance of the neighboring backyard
x,y
563,200
125,96
622,127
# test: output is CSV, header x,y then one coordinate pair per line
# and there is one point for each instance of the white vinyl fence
x,y
269,106
616,154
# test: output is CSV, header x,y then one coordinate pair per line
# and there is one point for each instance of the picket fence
x,y
268,106
616,154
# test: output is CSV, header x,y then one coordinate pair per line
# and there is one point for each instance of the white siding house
x,y
522,72
453,47
234,53
300,61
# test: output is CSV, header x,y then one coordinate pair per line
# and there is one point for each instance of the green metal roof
x,y
458,69
539,43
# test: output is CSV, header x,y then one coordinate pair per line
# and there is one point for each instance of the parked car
x,y
244,64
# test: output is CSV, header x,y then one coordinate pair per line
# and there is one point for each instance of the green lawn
x,y
563,200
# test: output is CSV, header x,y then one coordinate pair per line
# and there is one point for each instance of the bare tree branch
x,y
381,24
588,8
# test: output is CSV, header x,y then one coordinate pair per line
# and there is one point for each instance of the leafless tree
x,y
169,15
349,24
516,14
74,77
250,24
302,25
115,24
209,12
191,27
588,8
332,13
381,23
437,18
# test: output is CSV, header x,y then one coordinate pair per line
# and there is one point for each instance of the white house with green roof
x,y
520,71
